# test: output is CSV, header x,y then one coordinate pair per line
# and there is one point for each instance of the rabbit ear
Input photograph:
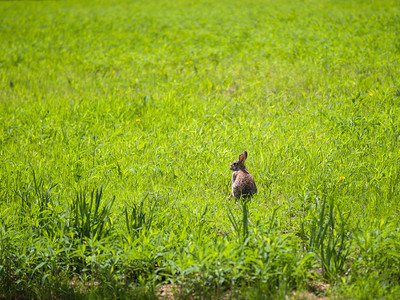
x,y
242,157
245,155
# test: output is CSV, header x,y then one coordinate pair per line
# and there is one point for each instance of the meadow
x,y
118,123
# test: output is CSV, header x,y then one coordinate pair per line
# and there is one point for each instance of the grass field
x,y
118,123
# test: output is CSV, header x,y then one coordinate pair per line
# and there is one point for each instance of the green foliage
x,y
118,122
328,239
88,219
136,218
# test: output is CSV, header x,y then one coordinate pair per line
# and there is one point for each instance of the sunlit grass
x,y
148,103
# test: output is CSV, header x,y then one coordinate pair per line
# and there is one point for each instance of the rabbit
x,y
243,184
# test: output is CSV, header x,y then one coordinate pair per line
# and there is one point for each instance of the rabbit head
x,y
239,164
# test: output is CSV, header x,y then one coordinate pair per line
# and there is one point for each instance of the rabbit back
x,y
243,184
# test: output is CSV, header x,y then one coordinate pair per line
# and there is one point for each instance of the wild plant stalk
x,y
136,219
329,242
88,217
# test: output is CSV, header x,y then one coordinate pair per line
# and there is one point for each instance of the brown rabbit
x,y
243,184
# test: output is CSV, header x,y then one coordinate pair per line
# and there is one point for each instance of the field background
x,y
148,102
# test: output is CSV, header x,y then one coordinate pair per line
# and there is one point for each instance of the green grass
x,y
118,122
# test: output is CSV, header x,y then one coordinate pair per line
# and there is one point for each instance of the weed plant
x,y
118,122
